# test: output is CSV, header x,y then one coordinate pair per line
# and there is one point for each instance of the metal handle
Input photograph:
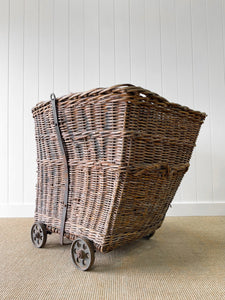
x,y
53,97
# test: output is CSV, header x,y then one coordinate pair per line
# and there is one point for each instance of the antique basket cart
x,y
109,163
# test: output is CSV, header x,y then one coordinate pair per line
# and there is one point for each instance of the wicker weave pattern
x,y
127,149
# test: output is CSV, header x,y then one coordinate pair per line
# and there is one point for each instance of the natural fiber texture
x,y
184,260
127,151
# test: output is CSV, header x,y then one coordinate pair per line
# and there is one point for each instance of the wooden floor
x,y
184,260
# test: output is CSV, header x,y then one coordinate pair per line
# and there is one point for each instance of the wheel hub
x,y
38,235
80,254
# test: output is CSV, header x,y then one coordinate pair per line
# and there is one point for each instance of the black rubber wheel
x,y
83,254
147,237
38,235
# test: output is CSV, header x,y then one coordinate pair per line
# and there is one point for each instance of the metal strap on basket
x,y
66,177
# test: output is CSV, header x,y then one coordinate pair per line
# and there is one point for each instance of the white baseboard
x,y
197,209
177,209
16,210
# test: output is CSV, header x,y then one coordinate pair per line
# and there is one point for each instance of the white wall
x,y
173,47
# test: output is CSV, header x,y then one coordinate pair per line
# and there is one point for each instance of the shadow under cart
x,y
82,249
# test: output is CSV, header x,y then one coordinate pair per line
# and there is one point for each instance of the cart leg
x,y
147,237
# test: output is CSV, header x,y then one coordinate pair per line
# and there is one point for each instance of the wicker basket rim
x,y
120,88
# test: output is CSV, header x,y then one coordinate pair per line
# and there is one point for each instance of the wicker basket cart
x,y
109,163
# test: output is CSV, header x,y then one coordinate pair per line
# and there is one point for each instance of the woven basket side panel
x,y
93,134
158,135
143,208
145,202
163,134
50,183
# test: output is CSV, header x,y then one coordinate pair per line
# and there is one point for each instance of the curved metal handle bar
x,y
66,176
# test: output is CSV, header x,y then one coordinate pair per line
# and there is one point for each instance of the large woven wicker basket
x,y
126,150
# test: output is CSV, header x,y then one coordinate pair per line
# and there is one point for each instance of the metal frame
x,y
66,176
